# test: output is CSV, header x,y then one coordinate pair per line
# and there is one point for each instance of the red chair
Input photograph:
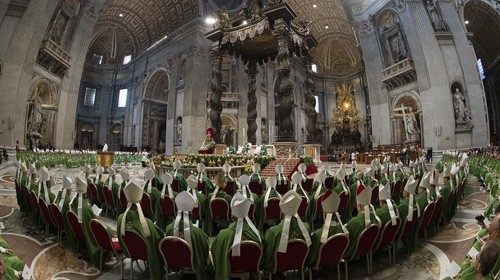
x,y
249,259
94,197
303,208
364,245
329,181
57,219
167,207
219,209
136,248
123,200
374,199
283,187
397,190
45,213
76,228
344,204
319,209
183,257
387,238
202,187
33,202
230,188
195,214
331,253
176,186
147,205
273,210
427,218
307,184
409,226
107,194
256,187
105,242
293,259
438,209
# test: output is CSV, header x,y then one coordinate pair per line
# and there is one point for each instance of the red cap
x,y
210,131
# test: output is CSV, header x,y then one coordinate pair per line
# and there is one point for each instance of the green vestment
x,y
199,245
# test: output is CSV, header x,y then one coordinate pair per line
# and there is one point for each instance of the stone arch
x,y
158,85
44,90
399,124
87,135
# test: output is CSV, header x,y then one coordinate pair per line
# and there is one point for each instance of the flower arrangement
x,y
71,159
191,160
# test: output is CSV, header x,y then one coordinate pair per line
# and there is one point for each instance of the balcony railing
x,y
399,74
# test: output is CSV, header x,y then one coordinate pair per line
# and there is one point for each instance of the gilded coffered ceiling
x,y
337,52
129,26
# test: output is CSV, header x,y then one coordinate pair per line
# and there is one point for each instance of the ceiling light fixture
x,y
466,22
210,20
120,15
315,6
245,22
326,26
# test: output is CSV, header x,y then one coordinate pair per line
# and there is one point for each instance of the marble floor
x,y
50,260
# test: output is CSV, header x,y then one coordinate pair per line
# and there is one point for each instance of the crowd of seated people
x,y
300,219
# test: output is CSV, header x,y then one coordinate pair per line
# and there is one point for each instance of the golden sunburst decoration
x,y
345,111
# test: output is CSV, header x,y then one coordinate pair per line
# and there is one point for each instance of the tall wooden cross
x,y
403,113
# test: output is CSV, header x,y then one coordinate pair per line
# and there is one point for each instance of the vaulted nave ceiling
x,y
129,26
337,52
137,24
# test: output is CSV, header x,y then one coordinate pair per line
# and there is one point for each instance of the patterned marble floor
x,y
50,260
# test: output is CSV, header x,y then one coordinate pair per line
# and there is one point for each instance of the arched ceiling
x,y
337,52
138,24
126,27
484,23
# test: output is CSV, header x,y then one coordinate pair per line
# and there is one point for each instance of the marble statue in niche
x,y
434,12
178,129
397,49
411,126
462,113
35,115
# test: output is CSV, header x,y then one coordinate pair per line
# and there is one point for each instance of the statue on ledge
x,y
35,116
462,113
209,144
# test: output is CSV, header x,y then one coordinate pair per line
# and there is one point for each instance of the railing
x,y
397,69
56,51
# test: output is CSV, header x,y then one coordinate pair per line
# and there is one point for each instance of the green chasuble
x,y
23,204
88,215
312,257
384,215
160,219
208,184
99,185
272,240
221,247
355,226
182,182
155,261
154,195
12,263
67,229
199,245
318,190
116,190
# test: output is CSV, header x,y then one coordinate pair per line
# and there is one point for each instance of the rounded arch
x,y
408,99
158,85
228,120
44,90
116,128
86,127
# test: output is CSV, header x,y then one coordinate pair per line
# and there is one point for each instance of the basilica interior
x,y
95,89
